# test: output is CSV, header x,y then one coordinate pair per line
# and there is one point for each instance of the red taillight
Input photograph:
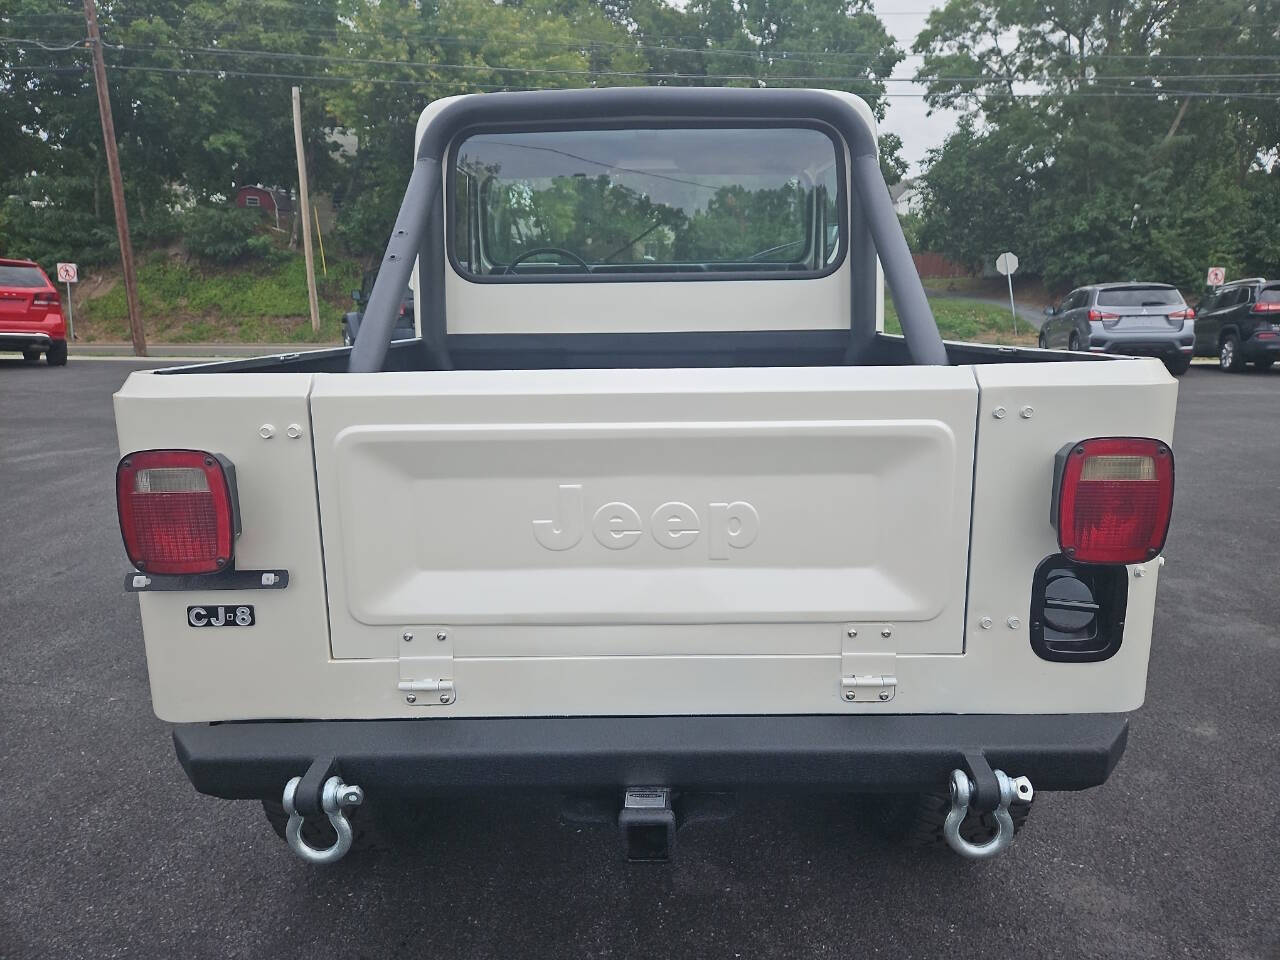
x,y
46,300
1096,315
177,511
1113,498
1266,306
1186,314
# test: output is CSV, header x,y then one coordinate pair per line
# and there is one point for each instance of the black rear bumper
x,y
1261,349
852,753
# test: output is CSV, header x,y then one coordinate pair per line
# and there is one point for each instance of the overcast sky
x,y
908,116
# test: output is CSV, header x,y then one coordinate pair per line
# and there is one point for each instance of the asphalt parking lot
x,y
107,851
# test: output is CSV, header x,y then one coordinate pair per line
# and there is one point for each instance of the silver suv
x,y
1137,319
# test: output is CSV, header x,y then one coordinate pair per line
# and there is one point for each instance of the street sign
x,y
1007,265
69,274
1217,276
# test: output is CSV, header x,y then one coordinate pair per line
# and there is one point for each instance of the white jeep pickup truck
x,y
651,508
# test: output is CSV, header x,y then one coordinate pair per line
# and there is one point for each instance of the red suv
x,y
31,313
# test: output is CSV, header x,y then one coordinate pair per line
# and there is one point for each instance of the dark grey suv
x,y
1137,319
1239,323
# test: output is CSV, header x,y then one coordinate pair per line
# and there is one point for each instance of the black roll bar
x,y
419,228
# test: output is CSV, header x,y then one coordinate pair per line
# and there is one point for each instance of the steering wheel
x,y
536,251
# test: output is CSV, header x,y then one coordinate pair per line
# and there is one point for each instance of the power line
x,y
1156,93
635,74
78,44
976,79
760,55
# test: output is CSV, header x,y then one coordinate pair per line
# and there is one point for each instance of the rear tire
x,y
1040,341
56,355
1074,343
1230,359
1178,367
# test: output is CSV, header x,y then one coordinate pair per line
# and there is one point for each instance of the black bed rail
x,y
419,229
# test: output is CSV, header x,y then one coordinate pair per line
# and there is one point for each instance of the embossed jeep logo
x,y
674,524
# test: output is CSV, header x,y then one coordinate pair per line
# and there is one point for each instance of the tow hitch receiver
x,y
648,824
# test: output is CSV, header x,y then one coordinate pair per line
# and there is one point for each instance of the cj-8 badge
x,y
218,616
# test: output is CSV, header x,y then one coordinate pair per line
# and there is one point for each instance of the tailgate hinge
x,y
868,673
426,666
869,686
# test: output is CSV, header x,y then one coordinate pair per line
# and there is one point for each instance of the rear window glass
x,y
11,276
704,201
1269,295
1139,297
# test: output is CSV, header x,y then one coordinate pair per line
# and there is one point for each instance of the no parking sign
x,y
68,273
1217,276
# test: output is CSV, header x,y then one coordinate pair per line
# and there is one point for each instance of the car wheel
x,y
1040,341
1178,367
30,356
1074,342
346,336
56,355
1229,356
1264,364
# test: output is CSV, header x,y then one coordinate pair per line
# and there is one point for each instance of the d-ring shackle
x,y
335,798
961,791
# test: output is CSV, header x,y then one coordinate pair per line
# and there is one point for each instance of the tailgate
x,y
565,513
15,305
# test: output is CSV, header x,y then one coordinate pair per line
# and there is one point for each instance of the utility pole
x,y
117,184
304,201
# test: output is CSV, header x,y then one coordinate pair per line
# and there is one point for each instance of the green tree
x,y
1097,145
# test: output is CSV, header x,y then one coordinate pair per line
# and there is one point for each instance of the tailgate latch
x,y
880,687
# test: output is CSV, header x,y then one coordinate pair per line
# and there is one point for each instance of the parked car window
x,y
1269,295
15,276
1139,297
366,288
627,201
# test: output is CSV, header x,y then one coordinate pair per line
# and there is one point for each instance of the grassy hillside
x,y
970,320
184,302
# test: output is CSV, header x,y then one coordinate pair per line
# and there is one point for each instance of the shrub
x,y
225,234
160,226
47,233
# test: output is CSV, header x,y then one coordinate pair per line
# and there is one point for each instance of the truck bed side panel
x,y
261,670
